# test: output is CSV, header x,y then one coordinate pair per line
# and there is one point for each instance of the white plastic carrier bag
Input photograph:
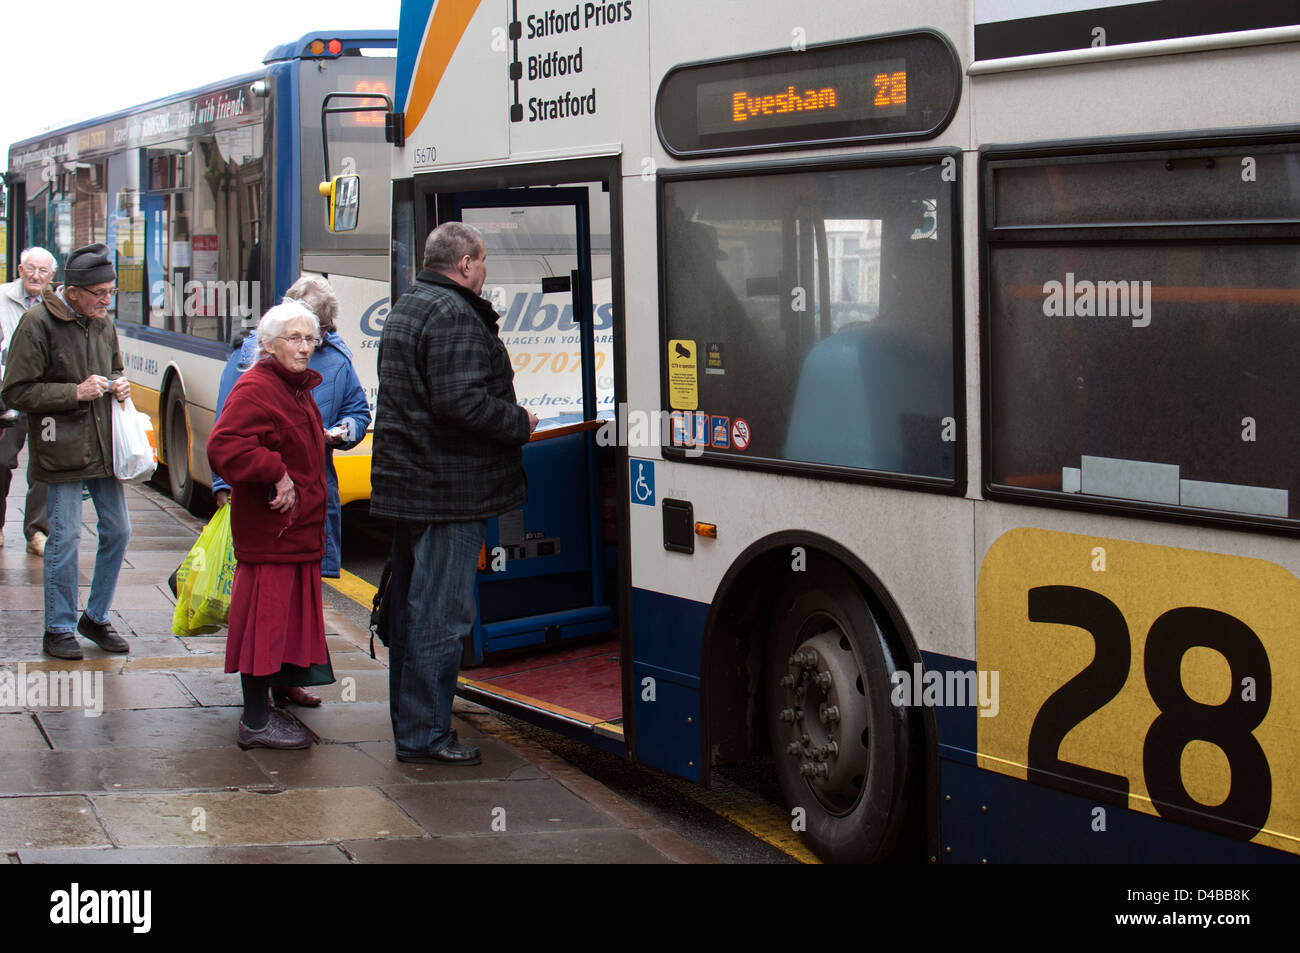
x,y
134,455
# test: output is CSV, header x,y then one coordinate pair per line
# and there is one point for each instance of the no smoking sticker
x,y
740,433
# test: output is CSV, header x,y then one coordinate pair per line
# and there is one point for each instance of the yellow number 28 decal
x,y
1161,679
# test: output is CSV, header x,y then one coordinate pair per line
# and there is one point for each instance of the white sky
x,y
77,59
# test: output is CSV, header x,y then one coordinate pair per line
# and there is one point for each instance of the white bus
x,y
978,508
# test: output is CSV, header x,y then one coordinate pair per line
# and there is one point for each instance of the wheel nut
x,y
828,713
823,680
793,748
810,659
787,680
787,714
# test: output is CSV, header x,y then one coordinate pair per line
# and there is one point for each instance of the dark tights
x,y
257,707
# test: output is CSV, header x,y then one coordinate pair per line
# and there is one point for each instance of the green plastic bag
x,y
204,579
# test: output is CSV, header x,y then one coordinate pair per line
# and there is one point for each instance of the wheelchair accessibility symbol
x,y
642,475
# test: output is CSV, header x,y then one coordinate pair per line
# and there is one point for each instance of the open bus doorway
x,y
546,643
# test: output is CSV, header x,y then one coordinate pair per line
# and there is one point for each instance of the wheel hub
x,y
827,716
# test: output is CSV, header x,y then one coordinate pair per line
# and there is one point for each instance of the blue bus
x,y
209,200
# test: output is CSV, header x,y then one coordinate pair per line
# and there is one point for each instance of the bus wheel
x,y
179,481
840,745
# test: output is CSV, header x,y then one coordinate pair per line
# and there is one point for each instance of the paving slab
x,y
346,722
572,847
147,623
174,663
96,660
471,807
239,817
212,689
144,690
173,728
162,562
130,770
359,687
176,545
373,763
321,766
32,574
29,648
32,597
20,621
19,731
49,822
349,663
111,692
317,854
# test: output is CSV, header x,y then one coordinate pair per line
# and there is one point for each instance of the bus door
x,y
541,580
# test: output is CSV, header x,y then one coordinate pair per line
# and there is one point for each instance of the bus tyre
x,y
840,746
179,481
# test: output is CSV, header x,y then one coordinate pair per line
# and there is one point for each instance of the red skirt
x,y
276,618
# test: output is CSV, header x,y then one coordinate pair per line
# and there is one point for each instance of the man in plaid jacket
x,y
446,459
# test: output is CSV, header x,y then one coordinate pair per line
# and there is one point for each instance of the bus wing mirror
x,y
343,202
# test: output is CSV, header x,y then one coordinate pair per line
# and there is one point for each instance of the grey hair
x,y
274,322
36,250
448,244
318,296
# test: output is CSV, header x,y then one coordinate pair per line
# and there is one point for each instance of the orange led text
x,y
744,106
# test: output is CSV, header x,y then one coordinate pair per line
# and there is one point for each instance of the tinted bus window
x,y
1151,373
809,316
1148,363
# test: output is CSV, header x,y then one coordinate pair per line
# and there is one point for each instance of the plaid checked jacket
x,y
448,431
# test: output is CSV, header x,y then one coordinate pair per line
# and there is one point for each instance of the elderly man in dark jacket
x,y
446,459
64,368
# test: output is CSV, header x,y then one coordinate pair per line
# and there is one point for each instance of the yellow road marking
x,y
766,821
354,587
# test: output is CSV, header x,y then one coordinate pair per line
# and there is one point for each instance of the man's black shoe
x,y
62,645
454,753
101,634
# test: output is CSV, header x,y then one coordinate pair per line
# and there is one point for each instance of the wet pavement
x,y
141,766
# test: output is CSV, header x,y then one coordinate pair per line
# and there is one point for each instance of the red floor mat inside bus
x,y
586,678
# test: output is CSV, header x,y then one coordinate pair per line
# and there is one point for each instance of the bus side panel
x,y
458,52
668,633
1027,823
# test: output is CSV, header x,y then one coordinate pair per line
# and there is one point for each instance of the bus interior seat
x,y
873,398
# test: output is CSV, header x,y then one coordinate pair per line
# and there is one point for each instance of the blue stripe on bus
x,y
175,340
667,635
411,27
986,816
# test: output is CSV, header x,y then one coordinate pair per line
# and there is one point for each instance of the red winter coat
x,y
270,423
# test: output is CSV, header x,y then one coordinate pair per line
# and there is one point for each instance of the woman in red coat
x,y
269,446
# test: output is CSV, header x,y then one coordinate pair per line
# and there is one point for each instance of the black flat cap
x,y
88,266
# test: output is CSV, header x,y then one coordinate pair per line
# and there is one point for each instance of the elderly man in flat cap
x,y
35,271
63,370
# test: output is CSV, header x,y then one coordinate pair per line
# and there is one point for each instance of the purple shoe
x,y
278,732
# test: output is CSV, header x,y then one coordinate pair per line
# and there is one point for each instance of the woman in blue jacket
x,y
343,407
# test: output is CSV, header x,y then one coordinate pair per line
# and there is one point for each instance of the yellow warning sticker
x,y
683,375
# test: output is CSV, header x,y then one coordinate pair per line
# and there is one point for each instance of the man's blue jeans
x,y
63,503
431,599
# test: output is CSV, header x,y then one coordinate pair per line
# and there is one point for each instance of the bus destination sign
x,y
787,99
899,86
